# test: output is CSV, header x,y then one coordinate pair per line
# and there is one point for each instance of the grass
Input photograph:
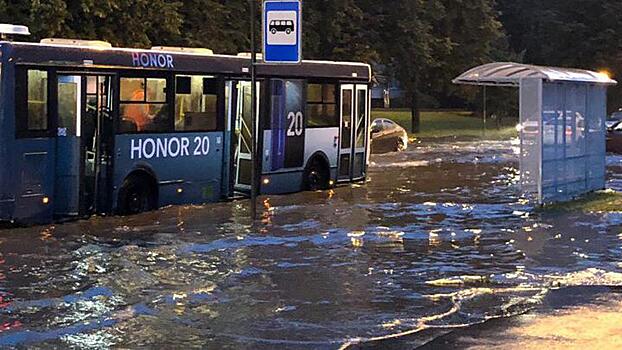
x,y
450,124
600,202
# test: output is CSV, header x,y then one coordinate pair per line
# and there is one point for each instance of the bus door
x,y
83,143
242,138
353,131
360,134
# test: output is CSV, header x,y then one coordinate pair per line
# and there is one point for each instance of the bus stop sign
x,y
282,31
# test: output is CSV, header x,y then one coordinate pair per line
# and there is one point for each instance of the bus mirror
x,y
183,85
210,86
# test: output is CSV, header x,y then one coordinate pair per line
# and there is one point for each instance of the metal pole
x,y
254,183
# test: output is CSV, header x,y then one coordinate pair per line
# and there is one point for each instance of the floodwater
x,y
437,239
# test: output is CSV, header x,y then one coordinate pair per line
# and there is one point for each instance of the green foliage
x,y
48,17
339,30
221,25
426,43
475,35
334,29
574,33
138,23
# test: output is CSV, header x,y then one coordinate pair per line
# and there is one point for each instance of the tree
x,y
139,23
221,25
47,18
408,45
425,44
475,36
14,11
572,33
338,30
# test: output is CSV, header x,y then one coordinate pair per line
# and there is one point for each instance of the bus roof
x,y
72,56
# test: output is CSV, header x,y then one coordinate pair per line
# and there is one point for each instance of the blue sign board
x,y
282,31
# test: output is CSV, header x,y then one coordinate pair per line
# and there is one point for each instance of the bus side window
x,y
32,103
322,106
196,103
143,107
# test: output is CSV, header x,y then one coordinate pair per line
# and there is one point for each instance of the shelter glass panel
x,y
530,126
573,160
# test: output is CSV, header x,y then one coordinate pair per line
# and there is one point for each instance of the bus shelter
x,y
562,126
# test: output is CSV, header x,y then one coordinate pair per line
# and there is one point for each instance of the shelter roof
x,y
510,74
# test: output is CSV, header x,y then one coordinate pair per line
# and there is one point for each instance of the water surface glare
x,y
438,237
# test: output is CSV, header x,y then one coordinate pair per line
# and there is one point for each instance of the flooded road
x,y
438,238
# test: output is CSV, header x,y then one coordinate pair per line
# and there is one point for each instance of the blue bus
x,y
87,128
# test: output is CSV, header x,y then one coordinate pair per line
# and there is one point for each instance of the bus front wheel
x,y
137,195
316,176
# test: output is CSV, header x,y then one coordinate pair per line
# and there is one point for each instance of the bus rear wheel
x,y
316,176
136,196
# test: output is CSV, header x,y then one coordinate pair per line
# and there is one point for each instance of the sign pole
x,y
282,44
254,172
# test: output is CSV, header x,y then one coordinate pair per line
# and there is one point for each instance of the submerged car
x,y
614,119
388,136
614,138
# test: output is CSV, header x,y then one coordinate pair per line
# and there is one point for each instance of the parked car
x,y
614,119
388,136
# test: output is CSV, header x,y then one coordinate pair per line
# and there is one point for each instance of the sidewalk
x,y
573,318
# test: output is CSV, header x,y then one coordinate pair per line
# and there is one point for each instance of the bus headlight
x,y
46,200
266,181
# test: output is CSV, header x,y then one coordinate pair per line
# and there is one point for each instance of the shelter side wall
x,y
530,135
596,137
573,138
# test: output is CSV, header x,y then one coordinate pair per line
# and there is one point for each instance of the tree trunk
x,y
414,109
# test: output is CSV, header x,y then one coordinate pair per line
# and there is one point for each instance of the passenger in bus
x,y
138,113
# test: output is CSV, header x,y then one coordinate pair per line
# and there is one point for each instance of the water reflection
x,y
438,238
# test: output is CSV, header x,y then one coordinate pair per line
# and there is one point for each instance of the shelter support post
x,y
485,111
